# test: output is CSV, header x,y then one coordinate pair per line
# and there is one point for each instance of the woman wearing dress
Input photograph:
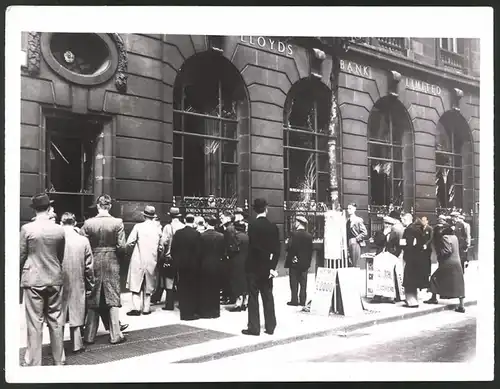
x,y
448,280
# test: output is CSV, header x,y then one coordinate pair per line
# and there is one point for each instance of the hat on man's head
x,y
40,201
302,220
455,214
238,211
190,218
259,203
174,212
395,215
211,221
149,212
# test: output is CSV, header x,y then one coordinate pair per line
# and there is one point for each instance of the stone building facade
x,y
208,122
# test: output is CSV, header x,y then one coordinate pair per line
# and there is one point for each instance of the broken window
x,y
71,153
449,180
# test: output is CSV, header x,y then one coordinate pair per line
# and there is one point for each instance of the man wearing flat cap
x,y
298,259
42,244
168,269
144,239
107,239
264,251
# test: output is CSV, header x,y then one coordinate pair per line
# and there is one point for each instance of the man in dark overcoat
x,y
264,251
461,234
212,252
427,247
227,224
185,251
107,239
298,259
42,244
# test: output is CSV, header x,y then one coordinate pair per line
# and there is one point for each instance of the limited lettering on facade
x,y
271,44
356,69
421,86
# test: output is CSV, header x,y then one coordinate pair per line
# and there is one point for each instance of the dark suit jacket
x,y
357,229
212,251
42,244
428,233
185,248
395,236
263,237
299,245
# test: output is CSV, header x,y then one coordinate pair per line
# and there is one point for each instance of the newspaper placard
x,y
335,231
350,296
382,281
326,280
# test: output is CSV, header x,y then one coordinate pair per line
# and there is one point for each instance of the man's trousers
x,y
264,286
298,277
43,303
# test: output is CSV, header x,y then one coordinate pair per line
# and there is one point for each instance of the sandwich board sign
x,y
326,281
350,294
400,290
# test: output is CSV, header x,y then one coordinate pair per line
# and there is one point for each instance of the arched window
x,y
390,156
454,172
306,159
209,109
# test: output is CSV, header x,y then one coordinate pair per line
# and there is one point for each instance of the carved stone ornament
x,y
394,82
121,72
458,94
34,53
319,54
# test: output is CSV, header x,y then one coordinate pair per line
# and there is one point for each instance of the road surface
x,y
446,336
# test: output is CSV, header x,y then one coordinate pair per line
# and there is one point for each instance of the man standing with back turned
x,y
42,245
264,249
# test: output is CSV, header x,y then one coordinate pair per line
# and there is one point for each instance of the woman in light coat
x,y
145,240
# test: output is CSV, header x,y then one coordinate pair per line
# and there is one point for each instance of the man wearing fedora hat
x,y
264,251
145,241
298,259
42,244
107,239
167,267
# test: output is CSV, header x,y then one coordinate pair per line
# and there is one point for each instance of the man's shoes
x,y
123,327
134,312
235,309
269,332
460,309
79,351
146,313
248,332
431,301
122,340
291,303
189,318
87,343
410,306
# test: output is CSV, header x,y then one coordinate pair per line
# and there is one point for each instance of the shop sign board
x,y
421,86
268,43
356,69
326,280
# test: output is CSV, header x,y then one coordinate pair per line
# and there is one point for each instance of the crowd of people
x,y
72,275
415,241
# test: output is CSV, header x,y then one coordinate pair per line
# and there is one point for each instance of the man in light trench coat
x,y
145,239
78,278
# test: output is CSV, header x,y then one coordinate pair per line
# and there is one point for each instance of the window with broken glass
x,y
72,148
206,103
385,159
449,169
306,158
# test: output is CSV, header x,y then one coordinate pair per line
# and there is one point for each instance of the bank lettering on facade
x,y
421,86
356,69
271,44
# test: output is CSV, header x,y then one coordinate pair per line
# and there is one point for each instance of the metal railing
x,y
206,206
453,60
393,44
312,211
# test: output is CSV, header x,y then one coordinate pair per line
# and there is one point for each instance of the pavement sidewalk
x,y
293,324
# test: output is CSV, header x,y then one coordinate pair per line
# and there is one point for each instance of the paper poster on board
x,y
326,280
335,231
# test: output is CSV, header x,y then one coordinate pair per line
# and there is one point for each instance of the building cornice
x,y
414,65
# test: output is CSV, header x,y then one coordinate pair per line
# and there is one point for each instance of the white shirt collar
x,y
261,215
